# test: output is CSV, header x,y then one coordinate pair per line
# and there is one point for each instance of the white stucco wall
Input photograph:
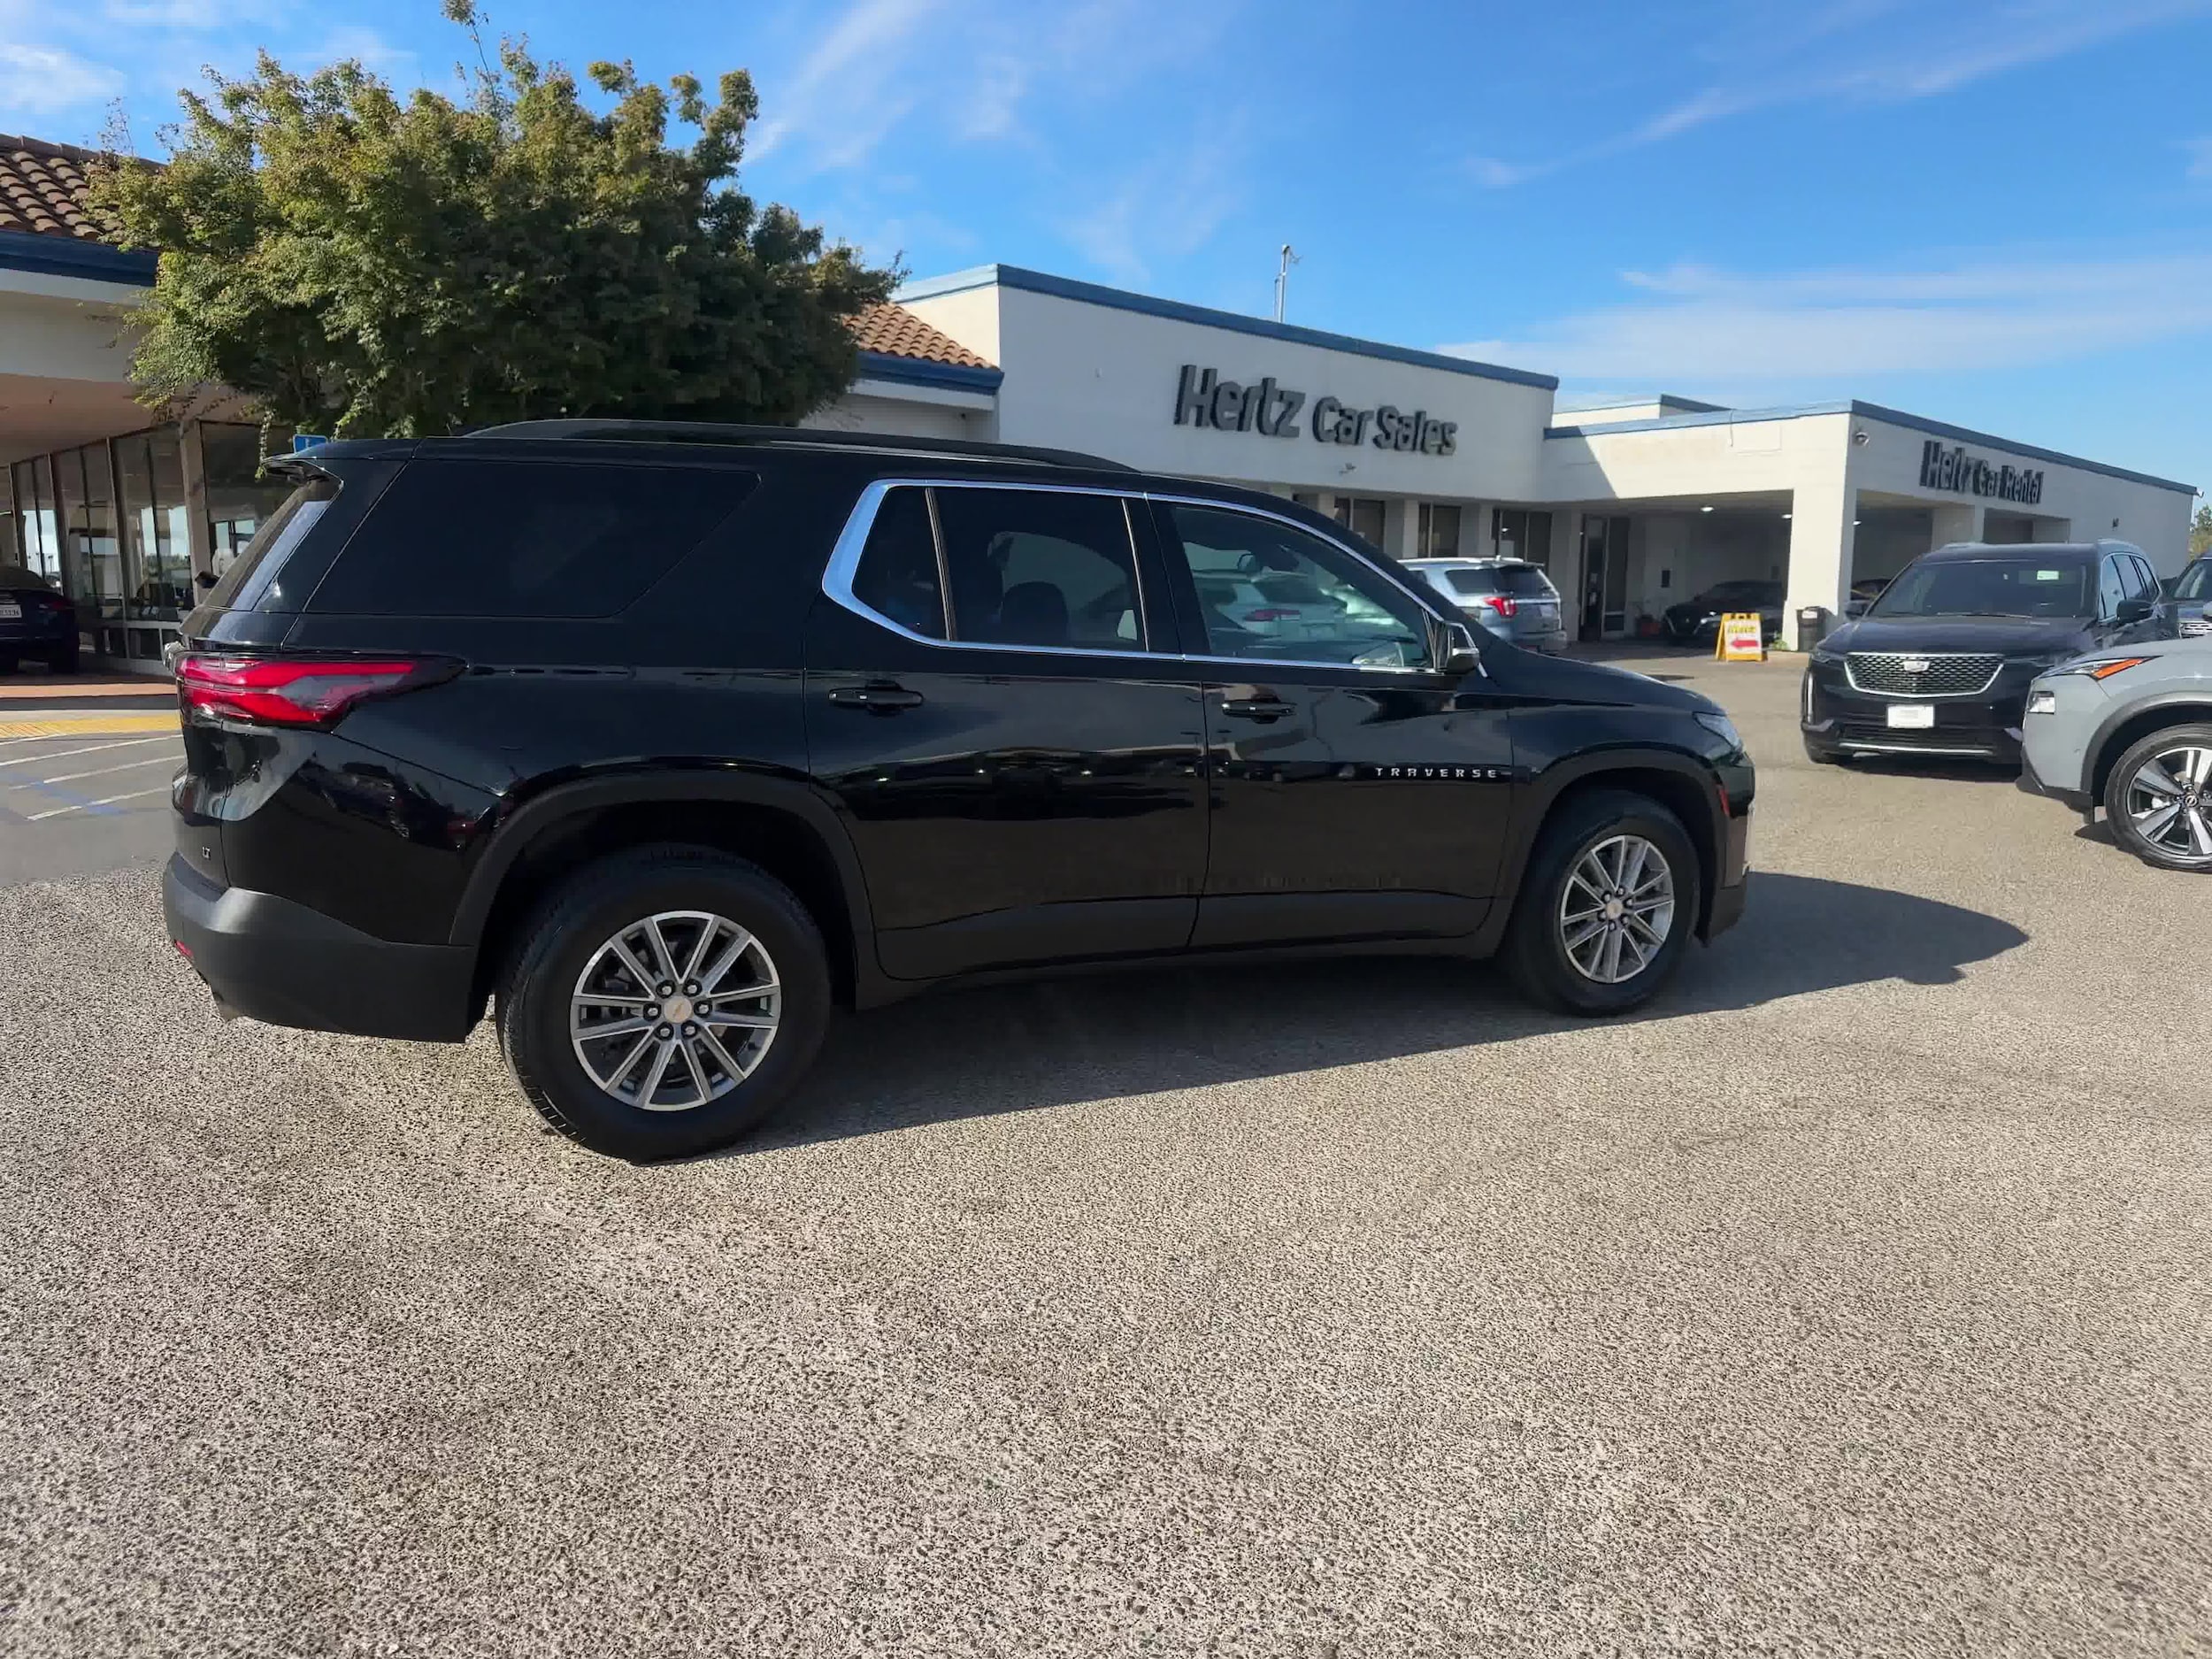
x,y
1103,379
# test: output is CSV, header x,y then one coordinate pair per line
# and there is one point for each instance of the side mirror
x,y
1855,607
1453,645
2133,611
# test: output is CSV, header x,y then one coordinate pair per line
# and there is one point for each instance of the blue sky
x,y
1997,213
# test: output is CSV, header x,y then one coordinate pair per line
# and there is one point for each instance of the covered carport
x,y
1627,561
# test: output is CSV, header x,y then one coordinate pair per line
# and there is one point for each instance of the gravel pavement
x,y
1854,1300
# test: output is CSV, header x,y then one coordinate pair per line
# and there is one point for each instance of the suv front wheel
x,y
2158,799
1606,906
662,1003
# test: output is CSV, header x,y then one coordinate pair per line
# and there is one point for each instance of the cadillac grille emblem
x,y
1916,664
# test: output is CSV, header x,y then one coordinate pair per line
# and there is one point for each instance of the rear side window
x,y
525,538
897,575
1040,567
261,561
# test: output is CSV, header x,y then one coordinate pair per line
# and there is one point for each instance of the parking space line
x,y
90,749
103,771
89,725
135,795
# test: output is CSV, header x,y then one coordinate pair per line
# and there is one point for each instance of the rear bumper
x,y
279,962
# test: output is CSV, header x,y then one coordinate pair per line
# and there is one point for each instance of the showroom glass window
x,y
1269,590
1515,532
38,535
1362,515
1439,537
84,507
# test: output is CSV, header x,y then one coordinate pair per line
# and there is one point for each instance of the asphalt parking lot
x,y
1854,1299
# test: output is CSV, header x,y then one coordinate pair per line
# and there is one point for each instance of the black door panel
x,y
1373,806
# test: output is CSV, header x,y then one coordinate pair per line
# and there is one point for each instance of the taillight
x,y
1504,605
293,690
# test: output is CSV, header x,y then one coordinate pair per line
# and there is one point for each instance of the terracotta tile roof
x,y
42,188
897,333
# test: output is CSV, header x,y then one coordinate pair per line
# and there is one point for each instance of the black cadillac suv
x,y
1939,663
662,740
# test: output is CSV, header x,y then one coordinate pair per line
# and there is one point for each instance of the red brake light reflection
x,y
283,691
1504,605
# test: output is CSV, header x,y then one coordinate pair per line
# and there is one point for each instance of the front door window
x,y
1270,591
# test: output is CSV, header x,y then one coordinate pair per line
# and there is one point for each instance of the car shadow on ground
x,y
972,1053
1940,770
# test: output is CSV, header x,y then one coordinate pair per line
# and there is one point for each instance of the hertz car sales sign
x,y
1953,469
1203,398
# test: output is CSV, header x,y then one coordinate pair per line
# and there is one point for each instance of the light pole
x,y
1282,280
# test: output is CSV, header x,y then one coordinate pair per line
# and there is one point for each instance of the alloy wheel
x,y
674,1010
1618,908
2170,802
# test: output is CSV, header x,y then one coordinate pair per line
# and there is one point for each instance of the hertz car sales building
x,y
1632,507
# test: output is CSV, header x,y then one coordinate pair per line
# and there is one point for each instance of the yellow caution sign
x,y
1743,638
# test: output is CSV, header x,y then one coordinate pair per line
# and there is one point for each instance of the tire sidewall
x,y
534,1013
2115,796
1543,953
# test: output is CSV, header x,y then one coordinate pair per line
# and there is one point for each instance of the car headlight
x,y
1720,726
2097,667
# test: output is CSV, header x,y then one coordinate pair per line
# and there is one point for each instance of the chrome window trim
x,y
852,542
1851,675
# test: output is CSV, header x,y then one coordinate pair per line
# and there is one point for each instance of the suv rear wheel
x,y
2159,798
1607,905
662,1003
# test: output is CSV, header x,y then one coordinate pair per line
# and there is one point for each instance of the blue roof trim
x,y
959,377
1206,317
1872,412
71,257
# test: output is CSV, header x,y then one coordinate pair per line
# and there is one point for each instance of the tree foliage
x,y
363,265
2200,530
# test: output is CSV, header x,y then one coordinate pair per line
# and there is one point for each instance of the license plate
x,y
10,611
1912,717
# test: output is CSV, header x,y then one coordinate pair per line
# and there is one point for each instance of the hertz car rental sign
x,y
1953,469
1203,398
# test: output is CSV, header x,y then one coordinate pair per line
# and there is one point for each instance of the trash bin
x,y
1812,626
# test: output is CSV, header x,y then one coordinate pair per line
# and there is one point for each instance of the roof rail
x,y
792,438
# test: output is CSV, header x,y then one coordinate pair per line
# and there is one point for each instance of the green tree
x,y
360,265
2200,530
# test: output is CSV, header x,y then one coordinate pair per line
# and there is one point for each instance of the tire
x,y
1536,948
2173,845
1820,755
568,936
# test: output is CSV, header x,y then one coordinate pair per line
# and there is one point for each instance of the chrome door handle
x,y
1256,708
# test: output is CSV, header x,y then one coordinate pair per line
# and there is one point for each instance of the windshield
x,y
1991,587
2196,581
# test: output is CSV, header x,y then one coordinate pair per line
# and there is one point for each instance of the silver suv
x,y
2129,729
1511,598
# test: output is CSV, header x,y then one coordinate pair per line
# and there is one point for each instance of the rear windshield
x,y
2001,586
2196,581
262,559
1522,581
539,539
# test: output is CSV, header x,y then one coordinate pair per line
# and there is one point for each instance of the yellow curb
x,y
91,726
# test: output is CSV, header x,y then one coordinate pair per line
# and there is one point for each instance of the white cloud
x,y
850,89
1859,51
2199,153
1166,209
1703,327
44,80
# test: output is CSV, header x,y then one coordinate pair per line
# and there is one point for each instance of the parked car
x,y
36,621
1697,621
2131,731
1939,664
1512,598
662,739
2191,594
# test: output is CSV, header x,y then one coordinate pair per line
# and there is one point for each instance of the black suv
x,y
663,739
